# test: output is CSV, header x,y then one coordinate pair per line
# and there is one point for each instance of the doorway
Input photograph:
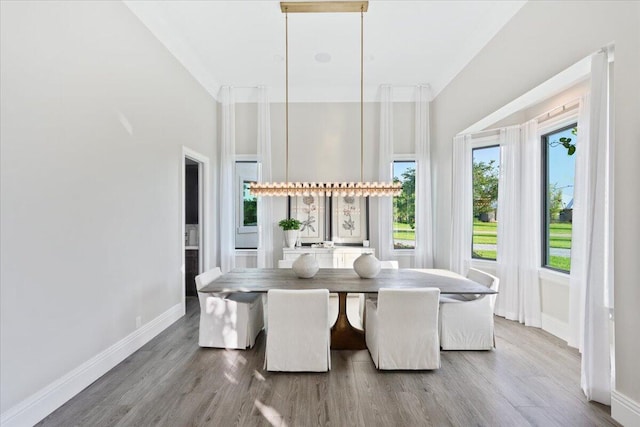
x,y
191,225
195,218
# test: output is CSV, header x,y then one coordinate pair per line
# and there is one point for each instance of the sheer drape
x,y
265,204
592,260
423,201
529,234
227,167
385,204
461,205
508,217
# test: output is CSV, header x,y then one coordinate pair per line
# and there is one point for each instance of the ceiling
x,y
406,43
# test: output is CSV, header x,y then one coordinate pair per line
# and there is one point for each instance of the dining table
x,y
343,281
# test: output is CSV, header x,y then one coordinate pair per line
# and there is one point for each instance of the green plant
x,y
289,224
566,143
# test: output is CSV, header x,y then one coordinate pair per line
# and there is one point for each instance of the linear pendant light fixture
x,y
357,189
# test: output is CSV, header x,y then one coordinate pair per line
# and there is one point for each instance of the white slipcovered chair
x,y
402,329
362,297
298,337
231,320
466,321
333,297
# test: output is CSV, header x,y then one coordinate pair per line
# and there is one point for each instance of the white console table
x,y
338,257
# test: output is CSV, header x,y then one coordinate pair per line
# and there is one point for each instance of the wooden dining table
x,y
342,281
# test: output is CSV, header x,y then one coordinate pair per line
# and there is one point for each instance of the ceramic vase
x,y
367,266
290,237
305,266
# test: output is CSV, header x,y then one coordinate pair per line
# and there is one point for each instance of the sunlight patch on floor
x,y
270,414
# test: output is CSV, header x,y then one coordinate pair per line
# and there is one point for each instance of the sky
x,y
562,167
400,167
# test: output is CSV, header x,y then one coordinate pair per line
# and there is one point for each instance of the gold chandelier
x,y
357,189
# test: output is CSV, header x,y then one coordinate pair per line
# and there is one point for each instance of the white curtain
x,y
579,230
385,204
423,201
461,205
508,217
227,167
529,233
265,204
592,260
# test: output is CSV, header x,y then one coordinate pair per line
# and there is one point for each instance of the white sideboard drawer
x,y
338,257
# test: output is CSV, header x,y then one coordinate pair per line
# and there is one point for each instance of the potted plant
x,y
290,227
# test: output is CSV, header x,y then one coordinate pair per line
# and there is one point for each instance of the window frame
x,y
557,124
401,158
488,141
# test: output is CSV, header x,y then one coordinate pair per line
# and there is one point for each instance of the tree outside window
x,y
485,173
404,205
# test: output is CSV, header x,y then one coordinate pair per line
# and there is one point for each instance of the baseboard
x,y
555,327
624,410
42,403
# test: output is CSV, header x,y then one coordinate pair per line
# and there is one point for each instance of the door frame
x,y
204,211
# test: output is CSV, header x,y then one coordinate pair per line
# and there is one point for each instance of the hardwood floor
x,y
532,378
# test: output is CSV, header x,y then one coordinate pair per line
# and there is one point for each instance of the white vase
x,y
305,266
367,266
290,237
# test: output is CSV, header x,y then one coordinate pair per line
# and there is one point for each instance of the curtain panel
x,y
508,217
227,168
530,230
385,205
592,260
265,204
423,202
461,205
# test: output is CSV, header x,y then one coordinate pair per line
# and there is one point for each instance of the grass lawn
x,y
403,231
562,263
486,233
480,253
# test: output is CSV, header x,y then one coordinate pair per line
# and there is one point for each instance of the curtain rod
x,y
562,108
568,106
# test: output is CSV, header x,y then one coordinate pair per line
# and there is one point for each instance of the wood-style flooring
x,y
532,378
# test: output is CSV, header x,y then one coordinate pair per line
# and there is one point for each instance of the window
x,y
246,206
485,172
558,149
404,205
249,206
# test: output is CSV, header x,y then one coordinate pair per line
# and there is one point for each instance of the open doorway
x,y
195,223
192,253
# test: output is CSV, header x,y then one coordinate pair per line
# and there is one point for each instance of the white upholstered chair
x,y
333,297
362,297
402,329
230,320
298,336
466,322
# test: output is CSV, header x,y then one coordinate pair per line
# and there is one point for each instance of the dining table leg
x,y
343,335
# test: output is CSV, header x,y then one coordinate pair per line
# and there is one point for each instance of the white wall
x,y
324,145
529,50
94,114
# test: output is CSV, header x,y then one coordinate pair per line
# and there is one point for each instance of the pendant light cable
x,y
362,94
286,93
